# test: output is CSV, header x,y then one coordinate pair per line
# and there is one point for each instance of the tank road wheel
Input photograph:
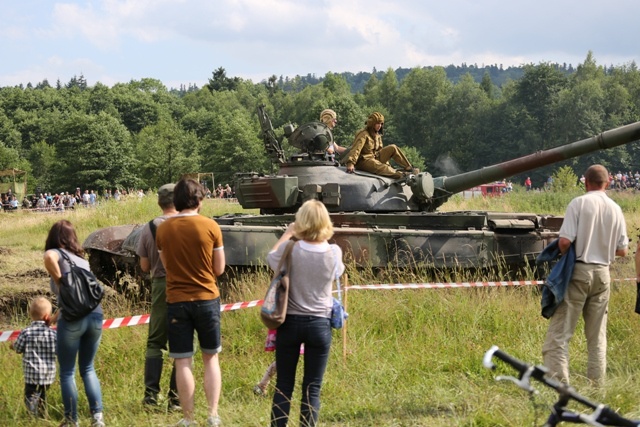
x,y
124,277
402,254
102,265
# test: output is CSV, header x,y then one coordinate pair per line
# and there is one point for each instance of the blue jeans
x,y
79,339
315,333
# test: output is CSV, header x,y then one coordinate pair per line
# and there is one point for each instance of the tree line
x,y
141,135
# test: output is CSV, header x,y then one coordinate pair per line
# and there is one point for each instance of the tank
x,y
379,222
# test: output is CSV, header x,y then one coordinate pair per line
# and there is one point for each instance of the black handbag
x,y
80,291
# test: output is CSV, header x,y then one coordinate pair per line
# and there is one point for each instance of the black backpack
x,y
80,291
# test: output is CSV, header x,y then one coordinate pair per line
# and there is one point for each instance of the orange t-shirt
x,y
187,243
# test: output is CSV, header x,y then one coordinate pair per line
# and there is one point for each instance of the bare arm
x,y
286,236
145,265
563,245
637,259
51,258
219,262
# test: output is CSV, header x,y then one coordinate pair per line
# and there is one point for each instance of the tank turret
x,y
312,173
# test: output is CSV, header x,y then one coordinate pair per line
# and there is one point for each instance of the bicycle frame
x,y
602,415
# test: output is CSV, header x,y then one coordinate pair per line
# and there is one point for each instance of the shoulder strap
x,y
286,258
66,257
153,227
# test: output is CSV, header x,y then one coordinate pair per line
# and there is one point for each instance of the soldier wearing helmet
x,y
330,118
367,153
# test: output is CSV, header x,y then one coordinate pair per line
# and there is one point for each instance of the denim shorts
x,y
183,318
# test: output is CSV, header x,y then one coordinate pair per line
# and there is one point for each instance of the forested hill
x,y
498,75
141,134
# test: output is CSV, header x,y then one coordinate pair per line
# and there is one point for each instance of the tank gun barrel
x,y
608,139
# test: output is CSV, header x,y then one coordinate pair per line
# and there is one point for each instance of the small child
x,y
260,389
37,343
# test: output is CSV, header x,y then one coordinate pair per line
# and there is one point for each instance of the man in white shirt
x,y
595,225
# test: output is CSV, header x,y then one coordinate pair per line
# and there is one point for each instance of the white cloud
x,y
179,39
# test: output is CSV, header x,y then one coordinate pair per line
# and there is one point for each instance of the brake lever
x,y
522,382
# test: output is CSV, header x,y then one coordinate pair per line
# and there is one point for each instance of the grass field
x,y
413,357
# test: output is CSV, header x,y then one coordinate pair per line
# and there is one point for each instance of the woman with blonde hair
x,y
314,265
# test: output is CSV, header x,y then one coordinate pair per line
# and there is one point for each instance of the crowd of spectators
x,y
225,192
53,202
624,180
59,202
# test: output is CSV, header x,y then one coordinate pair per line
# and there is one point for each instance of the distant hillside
x,y
499,76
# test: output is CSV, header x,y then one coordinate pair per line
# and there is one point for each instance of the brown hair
x,y
187,194
63,235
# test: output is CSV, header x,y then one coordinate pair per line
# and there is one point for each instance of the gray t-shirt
x,y
147,248
313,270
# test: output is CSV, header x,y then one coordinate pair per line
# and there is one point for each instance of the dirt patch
x,y
15,306
37,273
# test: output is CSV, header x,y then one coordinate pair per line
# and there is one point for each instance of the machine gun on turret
x,y
272,144
312,139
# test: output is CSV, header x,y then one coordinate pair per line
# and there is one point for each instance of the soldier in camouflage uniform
x,y
367,153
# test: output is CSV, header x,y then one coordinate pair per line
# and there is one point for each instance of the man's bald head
x,y
597,176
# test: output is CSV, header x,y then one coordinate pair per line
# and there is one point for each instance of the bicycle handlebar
x,y
602,415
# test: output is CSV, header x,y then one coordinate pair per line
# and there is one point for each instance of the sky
x,y
181,42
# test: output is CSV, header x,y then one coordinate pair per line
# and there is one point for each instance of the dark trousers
x,y
35,397
315,333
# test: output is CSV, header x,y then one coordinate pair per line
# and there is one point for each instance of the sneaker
x,y
33,405
97,420
186,423
174,406
150,400
259,391
214,421
69,423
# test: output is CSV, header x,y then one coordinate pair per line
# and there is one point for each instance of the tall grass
x,y
413,357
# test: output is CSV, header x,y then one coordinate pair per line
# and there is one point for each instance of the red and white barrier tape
x,y
448,285
144,318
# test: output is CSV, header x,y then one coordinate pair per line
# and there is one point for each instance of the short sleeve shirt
x,y
187,243
596,225
147,249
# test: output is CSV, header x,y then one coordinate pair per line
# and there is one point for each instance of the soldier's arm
x,y
354,154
